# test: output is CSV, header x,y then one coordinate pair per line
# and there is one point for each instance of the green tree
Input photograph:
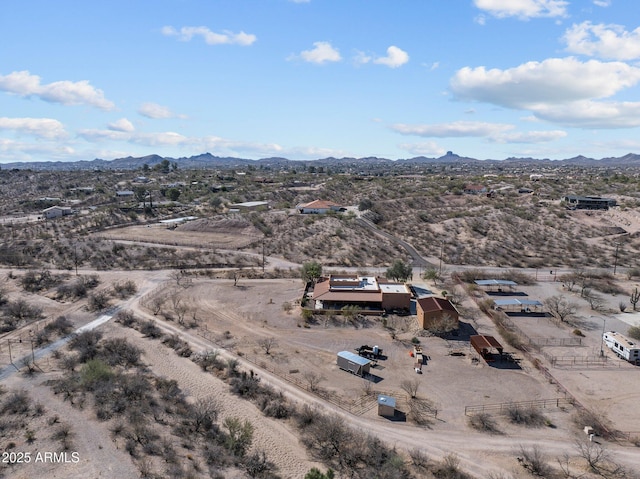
x,y
240,436
365,204
163,166
173,194
141,195
634,332
399,271
432,274
316,473
311,271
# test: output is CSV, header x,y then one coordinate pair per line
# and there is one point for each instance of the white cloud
x,y
185,34
602,3
592,114
428,148
605,41
534,85
66,92
453,129
529,136
157,112
11,150
121,125
496,132
322,53
361,58
394,59
42,127
523,9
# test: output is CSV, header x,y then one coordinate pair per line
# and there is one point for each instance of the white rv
x,y
622,346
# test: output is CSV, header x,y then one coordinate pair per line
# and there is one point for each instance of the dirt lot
x,y
227,234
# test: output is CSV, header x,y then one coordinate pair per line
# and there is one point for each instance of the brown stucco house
x,y
431,309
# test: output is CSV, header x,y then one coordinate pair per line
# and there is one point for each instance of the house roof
x,y
53,208
485,342
354,358
386,400
320,204
249,204
432,303
323,292
495,282
517,302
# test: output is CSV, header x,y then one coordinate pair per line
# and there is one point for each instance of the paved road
x,y
416,259
45,350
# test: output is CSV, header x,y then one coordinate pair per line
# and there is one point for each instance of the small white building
x,y
249,206
56,212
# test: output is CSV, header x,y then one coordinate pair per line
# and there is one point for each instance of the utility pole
x,y
263,256
75,257
604,322
615,262
441,251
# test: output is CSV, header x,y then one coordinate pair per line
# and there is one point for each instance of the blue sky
x,y
309,79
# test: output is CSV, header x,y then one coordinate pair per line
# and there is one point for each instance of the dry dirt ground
x,y
237,317
225,233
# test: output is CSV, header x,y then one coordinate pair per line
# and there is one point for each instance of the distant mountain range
x,y
209,161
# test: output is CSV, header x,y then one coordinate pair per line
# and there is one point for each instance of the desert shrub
x,y
60,325
94,371
306,416
126,318
483,422
178,344
239,436
119,352
246,385
258,465
203,415
529,416
450,468
86,344
17,402
33,281
78,288
150,329
274,404
98,301
21,310
124,290
634,332
169,390
208,360
65,435
534,461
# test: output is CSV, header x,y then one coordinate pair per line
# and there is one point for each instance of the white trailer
x,y
622,346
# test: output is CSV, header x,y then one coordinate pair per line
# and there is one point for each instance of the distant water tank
x,y
375,350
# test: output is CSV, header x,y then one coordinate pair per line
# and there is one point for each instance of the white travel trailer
x,y
622,346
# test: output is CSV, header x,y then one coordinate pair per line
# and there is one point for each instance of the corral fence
x,y
503,408
582,361
555,341
337,312
509,325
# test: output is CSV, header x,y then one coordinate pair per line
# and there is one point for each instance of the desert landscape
x,y
191,347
